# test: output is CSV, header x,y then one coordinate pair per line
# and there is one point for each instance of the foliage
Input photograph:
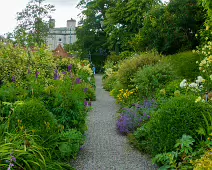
x,y
130,66
68,105
177,159
170,28
151,78
110,81
23,150
25,117
205,162
185,64
17,63
33,27
123,20
70,143
178,116
207,6
90,33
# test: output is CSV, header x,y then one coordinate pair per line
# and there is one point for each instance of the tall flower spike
x,y
69,67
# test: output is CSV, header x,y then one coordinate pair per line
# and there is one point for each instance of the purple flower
x,y
89,103
85,103
78,81
13,79
37,73
148,116
56,75
13,159
69,67
64,72
145,114
85,90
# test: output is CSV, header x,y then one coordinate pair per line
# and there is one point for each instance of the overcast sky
x,y
65,9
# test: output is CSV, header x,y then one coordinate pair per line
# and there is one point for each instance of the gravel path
x,y
105,149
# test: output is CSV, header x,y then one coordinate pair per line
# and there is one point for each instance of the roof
x,y
60,52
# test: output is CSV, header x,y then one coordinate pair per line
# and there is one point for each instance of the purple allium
x,y
78,81
69,67
13,79
37,73
85,90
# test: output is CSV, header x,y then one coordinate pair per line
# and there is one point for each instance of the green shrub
x,y
178,116
150,78
185,65
23,150
70,143
116,58
11,92
32,115
110,81
130,66
68,104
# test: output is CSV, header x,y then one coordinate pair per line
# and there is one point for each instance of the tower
x,y
71,24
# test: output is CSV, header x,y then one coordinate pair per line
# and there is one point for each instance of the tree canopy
x,y
33,23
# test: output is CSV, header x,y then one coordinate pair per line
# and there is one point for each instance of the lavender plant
x,y
132,118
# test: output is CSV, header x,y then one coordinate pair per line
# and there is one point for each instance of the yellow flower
x,y
198,99
207,27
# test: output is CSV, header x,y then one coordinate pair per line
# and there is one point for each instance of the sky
x,y
65,10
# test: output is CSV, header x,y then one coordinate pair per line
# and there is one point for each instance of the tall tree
x,y
90,33
171,28
33,23
124,20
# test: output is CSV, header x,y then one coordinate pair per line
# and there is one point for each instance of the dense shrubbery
x,y
151,78
178,116
178,132
42,108
129,67
185,64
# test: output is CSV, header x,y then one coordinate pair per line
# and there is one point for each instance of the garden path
x,y
105,149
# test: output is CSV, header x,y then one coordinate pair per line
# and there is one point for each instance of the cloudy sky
x,y
65,9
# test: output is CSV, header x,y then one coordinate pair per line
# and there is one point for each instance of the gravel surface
x,y
105,149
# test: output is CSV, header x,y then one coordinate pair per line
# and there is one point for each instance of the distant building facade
x,y
62,35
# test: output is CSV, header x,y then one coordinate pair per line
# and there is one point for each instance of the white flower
x,y
193,85
200,80
183,83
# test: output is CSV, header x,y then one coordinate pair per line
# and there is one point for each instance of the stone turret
x,y
71,23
